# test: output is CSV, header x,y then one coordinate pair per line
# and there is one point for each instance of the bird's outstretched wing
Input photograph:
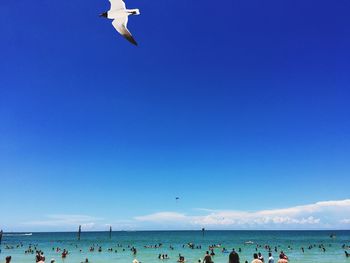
x,y
117,5
120,24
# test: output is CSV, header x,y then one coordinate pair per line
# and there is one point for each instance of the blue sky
x,y
243,106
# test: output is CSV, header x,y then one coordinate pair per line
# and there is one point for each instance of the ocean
x,y
290,242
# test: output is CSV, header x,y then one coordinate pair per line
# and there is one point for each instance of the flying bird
x,y
119,14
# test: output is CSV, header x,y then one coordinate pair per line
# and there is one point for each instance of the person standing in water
x,y
282,259
256,259
233,257
261,257
271,259
207,258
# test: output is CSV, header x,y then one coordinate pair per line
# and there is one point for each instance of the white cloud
x,y
65,220
163,217
345,221
318,215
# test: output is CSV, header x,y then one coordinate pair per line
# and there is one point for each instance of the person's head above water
x,y
255,256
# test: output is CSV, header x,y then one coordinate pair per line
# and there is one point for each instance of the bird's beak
x,y
103,14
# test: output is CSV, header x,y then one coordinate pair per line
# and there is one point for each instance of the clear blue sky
x,y
232,105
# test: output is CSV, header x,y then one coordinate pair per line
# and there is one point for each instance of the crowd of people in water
x,y
233,255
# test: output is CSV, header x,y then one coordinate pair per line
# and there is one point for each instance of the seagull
x,y
119,14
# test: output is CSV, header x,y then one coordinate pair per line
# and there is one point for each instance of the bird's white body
x,y
119,14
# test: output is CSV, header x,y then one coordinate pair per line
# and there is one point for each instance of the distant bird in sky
x,y
177,198
119,14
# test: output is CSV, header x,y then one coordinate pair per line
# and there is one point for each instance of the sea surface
x,y
288,241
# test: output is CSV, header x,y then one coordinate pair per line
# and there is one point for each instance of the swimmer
x,y
207,258
282,259
233,257
256,258
271,259
261,257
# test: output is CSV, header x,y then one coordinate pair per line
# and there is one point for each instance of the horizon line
x,y
175,230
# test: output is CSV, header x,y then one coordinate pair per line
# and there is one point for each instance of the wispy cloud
x,y
65,221
318,215
345,221
163,217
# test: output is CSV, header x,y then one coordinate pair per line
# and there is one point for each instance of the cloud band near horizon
x,y
320,215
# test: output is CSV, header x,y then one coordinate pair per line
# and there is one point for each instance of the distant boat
x,y
332,235
249,242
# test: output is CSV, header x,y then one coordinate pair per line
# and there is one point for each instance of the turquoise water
x,y
229,239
